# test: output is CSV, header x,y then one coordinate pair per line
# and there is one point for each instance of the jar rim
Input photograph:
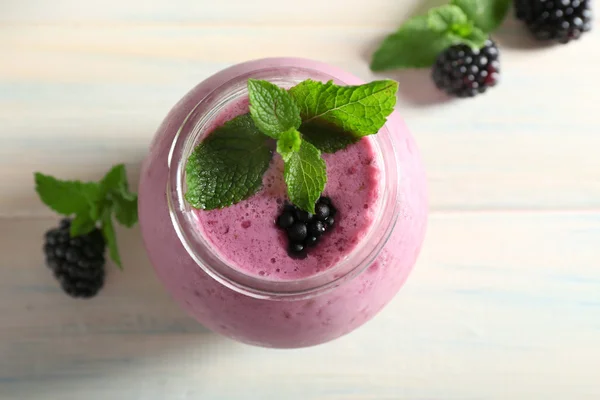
x,y
191,130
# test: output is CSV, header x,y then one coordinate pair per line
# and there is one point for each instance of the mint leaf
x,y
327,137
108,232
272,108
228,165
305,176
65,197
82,224
116,195
289,141
487,15
115,181
446,18
414,45
347,113
126,211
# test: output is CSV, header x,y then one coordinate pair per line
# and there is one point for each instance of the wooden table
x,y
504,302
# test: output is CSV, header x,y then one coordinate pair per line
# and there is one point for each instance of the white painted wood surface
x,y
504,303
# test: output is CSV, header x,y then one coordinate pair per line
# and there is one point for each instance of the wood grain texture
x,y
504,303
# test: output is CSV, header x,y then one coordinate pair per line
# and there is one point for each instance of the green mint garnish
x,y
228,165
92,203
65,197
305,176
414,45
275,113
335,116
108,231
418,42
272,108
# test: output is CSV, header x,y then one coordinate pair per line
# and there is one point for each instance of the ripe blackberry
x,y
304,229
560,20
77,263
463,72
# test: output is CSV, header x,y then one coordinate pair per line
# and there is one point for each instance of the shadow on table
x,y
50,342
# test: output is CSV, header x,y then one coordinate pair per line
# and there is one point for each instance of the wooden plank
x,y
501,305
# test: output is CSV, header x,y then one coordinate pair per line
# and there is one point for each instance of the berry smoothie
x,y
377,185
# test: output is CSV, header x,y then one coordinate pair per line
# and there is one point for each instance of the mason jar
x,y
255,308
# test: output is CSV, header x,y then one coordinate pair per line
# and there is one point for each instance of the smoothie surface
x,y
245,234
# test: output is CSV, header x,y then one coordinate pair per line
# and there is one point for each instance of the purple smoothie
x,y
245,234
361,185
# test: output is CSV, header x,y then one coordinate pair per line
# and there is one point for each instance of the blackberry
x,y
463,72
78,262
559,20
304,229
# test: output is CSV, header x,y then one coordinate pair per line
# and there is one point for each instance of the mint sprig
x,y
305,176
418,42
92,204
276,114
335,116
228,165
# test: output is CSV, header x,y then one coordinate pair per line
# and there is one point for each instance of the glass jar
x,y
254,309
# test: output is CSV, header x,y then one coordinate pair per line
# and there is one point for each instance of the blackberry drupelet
x,y
297,232
463,72
322,211
304,229
316,228
559,20
78,262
